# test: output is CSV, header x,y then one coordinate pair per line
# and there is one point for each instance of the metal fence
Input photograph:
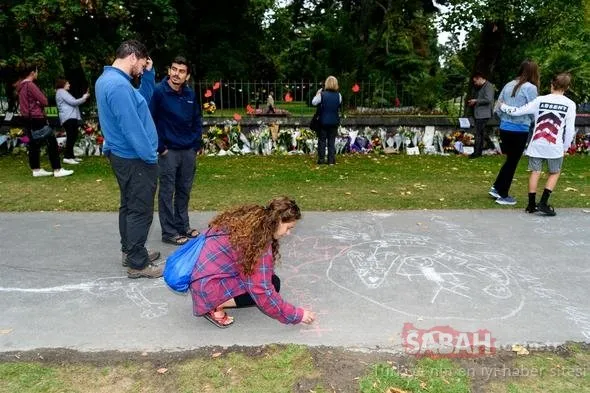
x,y
228,94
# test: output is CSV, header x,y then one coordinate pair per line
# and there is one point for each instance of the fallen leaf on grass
x,y
216,355
98,180
162,370
348,193
144,354
441,199
374,192
396,390
570,189
519,349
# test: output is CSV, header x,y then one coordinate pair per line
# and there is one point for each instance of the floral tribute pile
x,y
230,138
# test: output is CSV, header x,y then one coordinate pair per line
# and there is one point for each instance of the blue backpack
x,y
180,265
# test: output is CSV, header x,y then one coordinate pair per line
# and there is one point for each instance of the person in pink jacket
x,y
32,104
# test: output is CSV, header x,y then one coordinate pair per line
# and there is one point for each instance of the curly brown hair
x,y
252,227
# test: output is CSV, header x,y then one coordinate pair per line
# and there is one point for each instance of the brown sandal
x,y
178,240
221,321
192,233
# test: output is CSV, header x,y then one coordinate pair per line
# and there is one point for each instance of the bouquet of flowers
x,y
209,107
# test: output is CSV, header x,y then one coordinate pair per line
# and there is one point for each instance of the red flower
x,y
208,93
99,139
250,110
356,88
237,117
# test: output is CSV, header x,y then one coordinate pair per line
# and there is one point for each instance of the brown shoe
x,y
150,271
153,255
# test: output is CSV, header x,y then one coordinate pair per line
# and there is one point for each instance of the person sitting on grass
x,y
236,265
553,133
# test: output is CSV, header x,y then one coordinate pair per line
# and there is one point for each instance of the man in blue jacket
x,y
130,143
177,116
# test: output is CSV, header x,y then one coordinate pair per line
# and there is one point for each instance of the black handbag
x,y
315,124
41,133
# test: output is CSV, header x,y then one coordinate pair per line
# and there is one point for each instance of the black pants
x,y
513,145
327,136
71,127
137,184
245,300
35,147
177,172
480,134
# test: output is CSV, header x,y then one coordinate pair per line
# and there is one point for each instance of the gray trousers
x,y
137,184
177,172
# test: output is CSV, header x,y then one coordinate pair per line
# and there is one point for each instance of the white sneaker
x,y
62,172
71,161
78,159
41,172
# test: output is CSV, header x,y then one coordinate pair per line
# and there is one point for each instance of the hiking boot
x,y
531,209
508,200
493,193
150,271
546,209
153,255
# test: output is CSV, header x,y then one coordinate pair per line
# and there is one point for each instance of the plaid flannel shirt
x,y
218,277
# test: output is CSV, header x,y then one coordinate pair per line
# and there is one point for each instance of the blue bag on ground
x,y
179,265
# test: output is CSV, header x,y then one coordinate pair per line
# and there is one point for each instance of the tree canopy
x,y
355,40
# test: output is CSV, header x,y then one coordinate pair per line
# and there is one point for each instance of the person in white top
x,y
553,133
69,116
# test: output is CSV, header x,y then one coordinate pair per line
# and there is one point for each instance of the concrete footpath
x,y
520,278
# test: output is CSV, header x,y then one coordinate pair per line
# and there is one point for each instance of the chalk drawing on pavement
x,y
411,274
108,286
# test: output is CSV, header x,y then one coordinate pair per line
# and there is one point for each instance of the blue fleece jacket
x,y
177,116
526,93
125,120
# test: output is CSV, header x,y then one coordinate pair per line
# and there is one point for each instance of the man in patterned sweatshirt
x,y
554,130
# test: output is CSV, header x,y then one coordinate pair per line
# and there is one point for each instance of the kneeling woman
x,y
236,264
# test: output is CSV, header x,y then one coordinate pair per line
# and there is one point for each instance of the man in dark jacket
x,y
178,119
482,110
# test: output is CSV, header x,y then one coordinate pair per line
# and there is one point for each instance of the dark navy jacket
x,y
329,115
177,116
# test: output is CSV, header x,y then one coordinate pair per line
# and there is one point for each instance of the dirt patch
x,y
338,369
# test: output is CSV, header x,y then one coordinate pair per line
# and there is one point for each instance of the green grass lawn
x,y
357,182
295,368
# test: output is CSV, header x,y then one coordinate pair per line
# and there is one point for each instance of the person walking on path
x,y
69,117
178,119
32,103
482,110
236,265
553,133
130,144
330,100
514,130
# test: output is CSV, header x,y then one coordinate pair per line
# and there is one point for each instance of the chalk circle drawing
x,y
108,286
410,274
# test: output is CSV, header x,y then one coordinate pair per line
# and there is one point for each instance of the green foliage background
x,y
355,40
